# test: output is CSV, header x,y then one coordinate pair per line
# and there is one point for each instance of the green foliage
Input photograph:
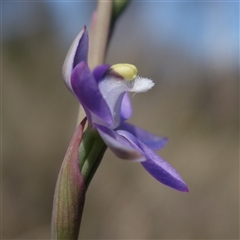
x,y
90,154
69,194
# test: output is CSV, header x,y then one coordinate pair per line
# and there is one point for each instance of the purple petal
x,y
99,71
126,107
114,87
153,141
113,90
162,171
77,52
156,166
86,89
82,49
119,145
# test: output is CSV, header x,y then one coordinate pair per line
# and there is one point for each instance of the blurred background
x,y
191,51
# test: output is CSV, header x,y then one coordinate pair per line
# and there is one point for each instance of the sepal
x,y
77,53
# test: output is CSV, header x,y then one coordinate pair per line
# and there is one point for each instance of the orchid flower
x,y
103,93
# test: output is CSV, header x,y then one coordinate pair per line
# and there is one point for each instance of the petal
x,y
113,90
142,84
86,89
156,166
99,71
153,141
163,171
126,107
82,49
113,87
119,145
77,53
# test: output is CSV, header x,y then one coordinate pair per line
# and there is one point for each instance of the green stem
x,y
91,151
95,166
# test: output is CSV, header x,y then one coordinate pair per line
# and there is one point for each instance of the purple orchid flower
x,y
103,93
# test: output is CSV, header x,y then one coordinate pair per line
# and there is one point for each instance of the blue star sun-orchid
x,y
103,93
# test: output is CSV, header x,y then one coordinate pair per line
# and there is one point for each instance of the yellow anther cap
x,y
127,71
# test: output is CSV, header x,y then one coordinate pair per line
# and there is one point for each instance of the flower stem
x,y
99,33
90,154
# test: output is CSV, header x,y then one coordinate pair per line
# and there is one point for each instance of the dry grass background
x,y
194,105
